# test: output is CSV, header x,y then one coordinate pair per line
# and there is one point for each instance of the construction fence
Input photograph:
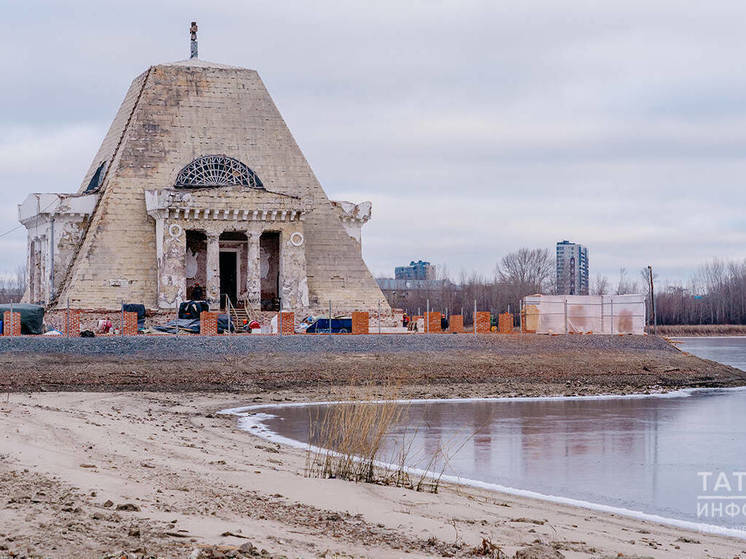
x,y
584,314
540,314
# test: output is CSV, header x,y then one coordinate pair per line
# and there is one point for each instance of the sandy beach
x,y
145,464
86,474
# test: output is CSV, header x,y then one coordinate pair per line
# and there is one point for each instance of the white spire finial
x,y
193,43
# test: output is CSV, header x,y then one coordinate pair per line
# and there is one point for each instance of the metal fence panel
x,y
584,314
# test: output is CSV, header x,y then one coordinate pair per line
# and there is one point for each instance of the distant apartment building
x,y
415,271
572,269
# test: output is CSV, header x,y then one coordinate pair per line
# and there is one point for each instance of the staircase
x,y
239,315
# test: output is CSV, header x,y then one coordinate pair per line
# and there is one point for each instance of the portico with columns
x,y
254,237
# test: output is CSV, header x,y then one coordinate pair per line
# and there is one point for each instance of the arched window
x,y
216,170
97,177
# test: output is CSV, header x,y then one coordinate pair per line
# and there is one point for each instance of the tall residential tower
x,y
572,269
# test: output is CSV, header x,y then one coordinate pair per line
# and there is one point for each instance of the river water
x,y
677,456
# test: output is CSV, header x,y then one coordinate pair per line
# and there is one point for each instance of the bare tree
x,y
600,285
625,285
526,269
12,286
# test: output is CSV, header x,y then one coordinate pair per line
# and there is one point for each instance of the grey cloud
x,y
475,127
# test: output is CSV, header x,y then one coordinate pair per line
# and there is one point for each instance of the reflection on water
x,y
637,453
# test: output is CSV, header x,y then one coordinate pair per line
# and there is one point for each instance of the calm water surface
x,y
642,454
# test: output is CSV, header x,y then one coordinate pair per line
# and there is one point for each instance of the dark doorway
x,y
228,279
196,265
269,254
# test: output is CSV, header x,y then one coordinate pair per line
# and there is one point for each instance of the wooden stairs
x,y
239,317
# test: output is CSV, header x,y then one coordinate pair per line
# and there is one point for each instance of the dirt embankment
x,y
422,365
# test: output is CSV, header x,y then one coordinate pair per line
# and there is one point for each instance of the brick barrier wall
x,y
456,323
71,323
208,323
360,322
432,319
505,323
16,324
288,322
483,322
130,324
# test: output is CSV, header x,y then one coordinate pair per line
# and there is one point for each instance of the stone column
x,y
42,246
32,270
29,287
159,232
213,268
253,271
293,279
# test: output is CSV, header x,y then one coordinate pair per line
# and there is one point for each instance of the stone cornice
x,y
223,205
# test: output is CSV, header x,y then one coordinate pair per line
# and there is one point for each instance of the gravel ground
x,y
191,346
427,365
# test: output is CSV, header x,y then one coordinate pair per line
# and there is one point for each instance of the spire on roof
x,y
193,42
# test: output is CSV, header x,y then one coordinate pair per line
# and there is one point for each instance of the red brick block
x,y
360,323
456,323
432,323
129,328
16,326
505,323
288,323
483,322
208,323
71,323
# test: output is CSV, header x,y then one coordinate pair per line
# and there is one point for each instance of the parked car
x,y
339,326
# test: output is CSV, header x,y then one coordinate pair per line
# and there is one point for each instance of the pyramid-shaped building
x,y
198,191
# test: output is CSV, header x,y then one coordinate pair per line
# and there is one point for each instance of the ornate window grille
x,y
216,170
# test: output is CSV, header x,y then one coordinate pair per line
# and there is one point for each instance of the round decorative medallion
x,y
296,239
174,230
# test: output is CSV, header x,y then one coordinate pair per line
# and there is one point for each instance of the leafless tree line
x,y
520,273
12,286
715,294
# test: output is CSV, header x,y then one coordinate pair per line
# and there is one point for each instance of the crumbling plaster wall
x,y
171,264
293,266
69,234
353,216
52,241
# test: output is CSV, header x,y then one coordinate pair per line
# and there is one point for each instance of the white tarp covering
x,y
597,314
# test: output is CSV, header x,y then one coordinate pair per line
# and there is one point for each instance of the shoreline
x,y
187,477
254,424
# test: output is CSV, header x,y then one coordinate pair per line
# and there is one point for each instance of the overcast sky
x,y
475,128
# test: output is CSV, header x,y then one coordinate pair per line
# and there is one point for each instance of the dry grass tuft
x,y
346,441
489,549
